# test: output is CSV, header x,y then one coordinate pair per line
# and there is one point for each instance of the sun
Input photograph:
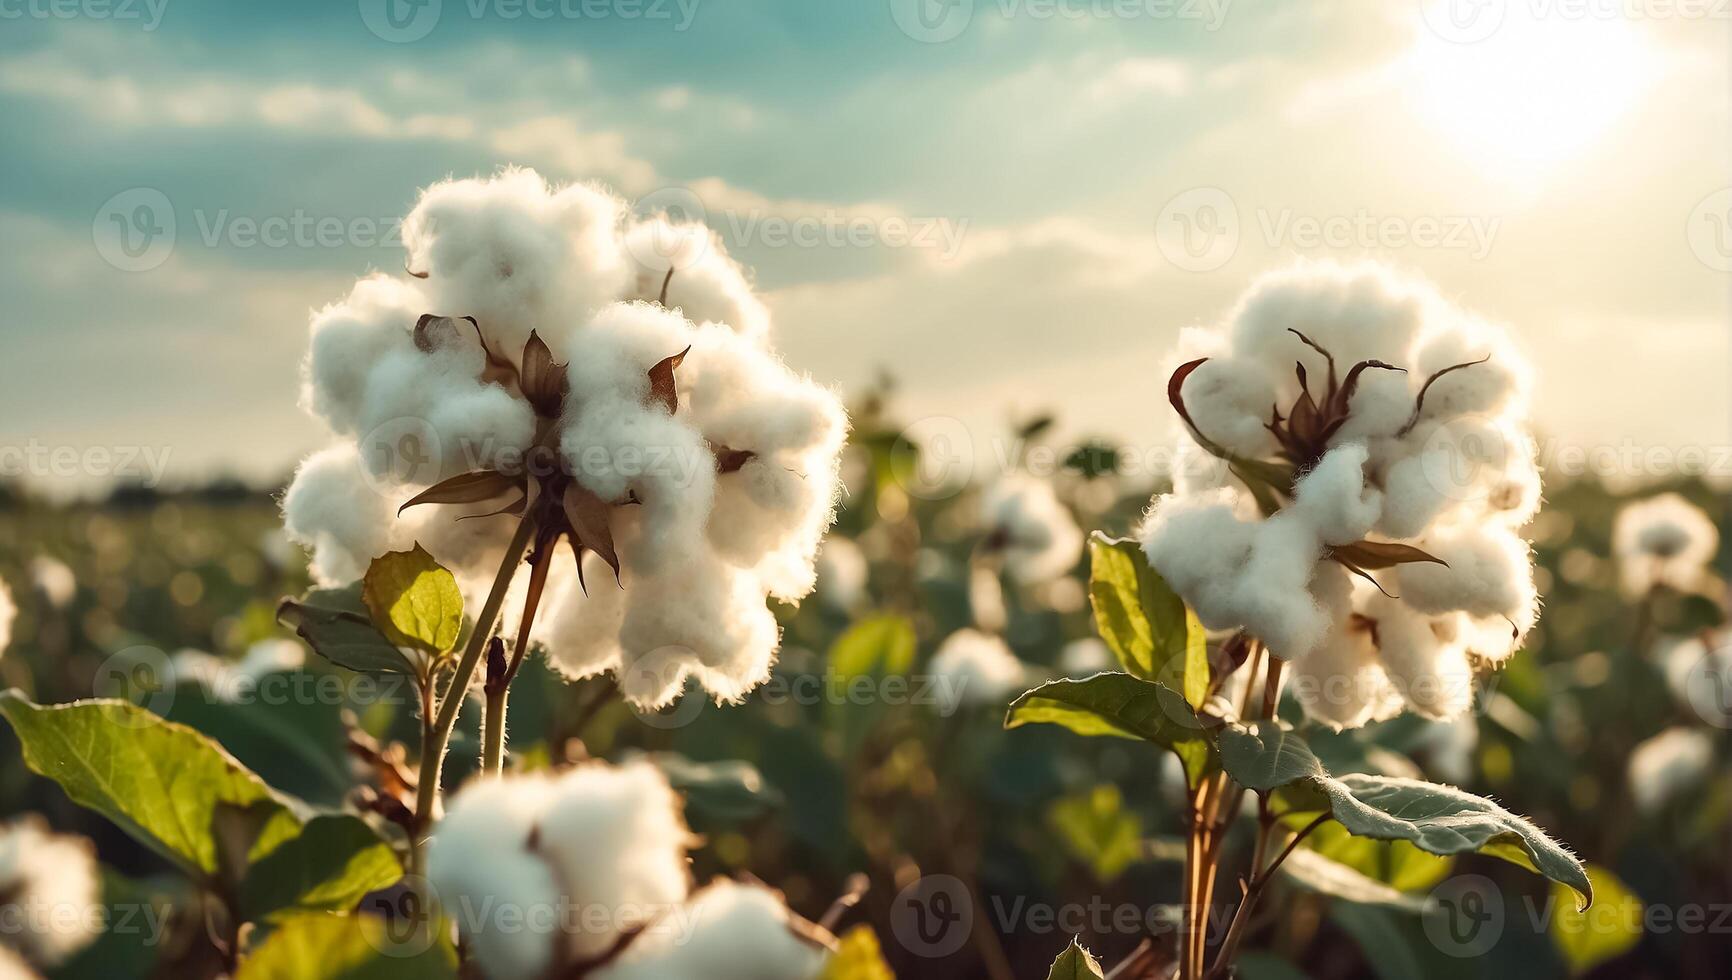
x,y
1537,91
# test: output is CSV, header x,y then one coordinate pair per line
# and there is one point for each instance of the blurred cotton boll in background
x,y
976,668
1397,463
8,613
1663,540
54,580
1025,523
1667,765
51,881
842,574
1085,657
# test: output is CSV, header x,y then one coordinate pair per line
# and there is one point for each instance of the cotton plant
x,y
1663,540
1666,766
596,859
1355,473
50,881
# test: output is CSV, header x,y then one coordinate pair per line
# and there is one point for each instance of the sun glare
x,y
1535,92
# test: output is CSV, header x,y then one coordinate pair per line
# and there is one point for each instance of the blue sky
x,y
1565,173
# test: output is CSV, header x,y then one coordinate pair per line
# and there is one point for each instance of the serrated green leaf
x,y
315,946
1601,934
163,783
1075,963
1120,706
338,626
858,957
415,602
330,866
1097,829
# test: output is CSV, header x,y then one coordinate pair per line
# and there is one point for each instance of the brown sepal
x,y
661,377
465,488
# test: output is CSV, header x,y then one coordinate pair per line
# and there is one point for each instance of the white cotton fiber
x,y
1664,539
51,883
1024,522
1668,765
729,932
977,668
1377,435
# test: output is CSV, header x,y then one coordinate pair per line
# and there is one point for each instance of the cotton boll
x,y
1356,312
842,574
977,668
1085,657
518,254
351,336
13,967
8,613
482,858
1342,683
1488,572
333,508
582,630
51,881
729,931
1666,766
617,843
1272,597
707,284
700,617
1230,401
1025,522
1199,545
1425,659
1334,499
1664,539
55,581
1381,404
1498,386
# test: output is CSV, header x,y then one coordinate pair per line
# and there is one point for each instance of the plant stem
x,y
1259,883
439,737
499,688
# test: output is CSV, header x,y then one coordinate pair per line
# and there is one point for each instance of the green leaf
x,y
317,946
1196,660
1601,934
879,646
1386,948
1097,830
1264,756
1075,963
163,783
1141,619
876,647
1397,863
858,957
415,602
1314,872
1438,819
1120,706
338,626
335,861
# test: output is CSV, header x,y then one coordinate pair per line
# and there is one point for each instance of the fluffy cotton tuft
x,y
52,881
592,856
714,508
977,668
729,931
1663,540
8,613
1085,657
1036,534
1665,766
1351,469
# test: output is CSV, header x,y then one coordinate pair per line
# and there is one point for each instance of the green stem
x,y
439,738
499,688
